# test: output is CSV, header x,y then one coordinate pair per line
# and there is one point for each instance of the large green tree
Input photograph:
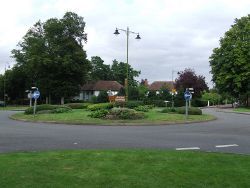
x,y
52,56
230,62
99,71
119,73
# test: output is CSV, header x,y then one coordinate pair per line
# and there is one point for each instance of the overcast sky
x,y
176,34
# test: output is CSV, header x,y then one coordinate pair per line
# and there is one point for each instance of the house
x,y
94,88
158,85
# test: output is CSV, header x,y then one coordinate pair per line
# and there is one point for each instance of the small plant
x,y
142,108
168,110
191,111
41,108
61,110
100,106
99,113
124,113
78,105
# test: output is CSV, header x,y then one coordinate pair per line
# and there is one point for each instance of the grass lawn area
x,y
123,168
242,110
80,116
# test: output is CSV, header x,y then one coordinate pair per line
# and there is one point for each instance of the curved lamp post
x,y
127,31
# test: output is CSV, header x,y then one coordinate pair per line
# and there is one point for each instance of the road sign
x,y
187,95
36,94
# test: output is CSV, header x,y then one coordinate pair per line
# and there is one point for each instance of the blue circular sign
x,y
187,95
36,94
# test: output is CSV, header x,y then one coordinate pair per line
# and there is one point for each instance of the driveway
x,y
229,133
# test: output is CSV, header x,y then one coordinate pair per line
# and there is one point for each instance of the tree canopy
x,y
52,55
230,62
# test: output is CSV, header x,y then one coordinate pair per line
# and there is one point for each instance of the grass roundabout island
x,y
108,114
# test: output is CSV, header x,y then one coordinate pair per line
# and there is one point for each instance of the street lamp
x,y
127,31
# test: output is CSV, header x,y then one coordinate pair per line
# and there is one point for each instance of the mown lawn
x,y
242,109
80,116
123,168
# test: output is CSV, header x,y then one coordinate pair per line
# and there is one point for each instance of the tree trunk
x,y
47,100
62,100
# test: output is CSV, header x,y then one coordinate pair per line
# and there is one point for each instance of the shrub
x,y
94,107
158,103
62,109
102,97
41,108
99,113
143,108
47,108
78,105
168,110
129,104
124,113
191,111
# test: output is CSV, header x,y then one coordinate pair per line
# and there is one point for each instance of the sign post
x,y
36,95
187,97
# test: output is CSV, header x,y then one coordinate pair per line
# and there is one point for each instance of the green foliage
x,y
198,103
191,111
78,105
102,97
48,108
230,61
99,71
133,104
94,107
158,103
52,58
213,97
119,73
143,108
93,99
62,109
129,104
124,113
168,110
99,113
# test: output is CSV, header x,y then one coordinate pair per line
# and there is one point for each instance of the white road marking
x,y
190,148
225,146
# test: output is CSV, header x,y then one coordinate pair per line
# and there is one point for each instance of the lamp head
x,y
138,37
116,32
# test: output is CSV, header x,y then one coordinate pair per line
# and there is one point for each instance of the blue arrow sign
x,y
187,95
36,94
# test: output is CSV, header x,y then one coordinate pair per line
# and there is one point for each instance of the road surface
x,y
229,133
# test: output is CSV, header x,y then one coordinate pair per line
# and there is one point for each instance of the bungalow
x,y
94,88
158,85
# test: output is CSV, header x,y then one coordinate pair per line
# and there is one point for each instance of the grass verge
x,y
80,116
241,109
124,168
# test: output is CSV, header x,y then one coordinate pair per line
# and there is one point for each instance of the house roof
x,y
102,85
157,85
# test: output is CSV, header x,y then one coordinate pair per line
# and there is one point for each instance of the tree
x,y
230,61
119,73
212,97
99,71
52,56
188,79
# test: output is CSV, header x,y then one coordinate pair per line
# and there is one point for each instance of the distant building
x,y
158,85
94,88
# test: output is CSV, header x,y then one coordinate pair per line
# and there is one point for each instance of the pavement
x,y
230,133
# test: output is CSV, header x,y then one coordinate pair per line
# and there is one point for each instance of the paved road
x,y
229,133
